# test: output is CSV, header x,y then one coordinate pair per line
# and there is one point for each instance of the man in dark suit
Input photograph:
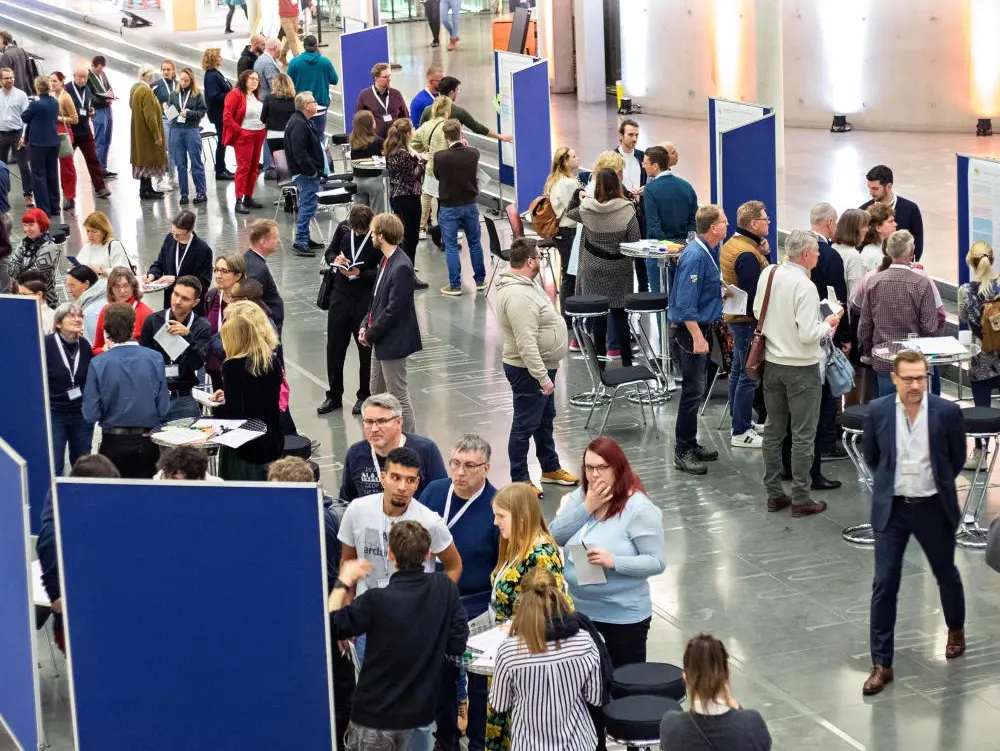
x,y
634,182
914,494
391,327
908,215
264,239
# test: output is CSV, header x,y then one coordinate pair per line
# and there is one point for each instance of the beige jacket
x,y
534,334
429,139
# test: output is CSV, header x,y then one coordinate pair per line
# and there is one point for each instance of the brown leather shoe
x,y
877,680
808,508
779,503
956,644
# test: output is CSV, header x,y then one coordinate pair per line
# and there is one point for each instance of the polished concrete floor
x,y
788,596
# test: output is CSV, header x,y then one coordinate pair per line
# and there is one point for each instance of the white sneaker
x,y
748,440
757,427
163,186
423,234
974,458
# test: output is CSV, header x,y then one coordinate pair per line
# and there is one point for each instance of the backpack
x,y
990,322
543,217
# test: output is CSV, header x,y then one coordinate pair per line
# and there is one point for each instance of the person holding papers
x,y
182,338
251,382
354,262
182,253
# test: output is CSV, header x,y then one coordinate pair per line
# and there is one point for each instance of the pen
x,y
584,544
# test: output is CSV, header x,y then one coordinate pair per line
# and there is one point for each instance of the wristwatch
x,y
338,584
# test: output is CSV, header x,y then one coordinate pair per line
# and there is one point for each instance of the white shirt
x,y
632,176
107,256
251,119
365,527
914,477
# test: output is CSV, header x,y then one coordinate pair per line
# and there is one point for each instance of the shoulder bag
x,y
754,367
839,372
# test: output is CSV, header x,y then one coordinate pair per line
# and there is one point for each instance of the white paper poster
x,y
509,63
984,202
729,115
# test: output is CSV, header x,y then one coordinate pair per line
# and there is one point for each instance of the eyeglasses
x,y
122,285
763,219
218,270
455,465
910,380
379,421
593,469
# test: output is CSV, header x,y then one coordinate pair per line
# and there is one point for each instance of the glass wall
x,y
405,10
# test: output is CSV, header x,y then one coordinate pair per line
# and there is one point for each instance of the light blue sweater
x,y
635,540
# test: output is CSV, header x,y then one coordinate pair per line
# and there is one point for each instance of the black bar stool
x,y
982,423
852,420
634,721
637,305
579,308
648,678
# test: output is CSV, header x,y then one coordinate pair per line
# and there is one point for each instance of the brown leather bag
x,y
754,367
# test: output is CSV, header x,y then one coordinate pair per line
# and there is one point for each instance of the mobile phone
x,y
72,260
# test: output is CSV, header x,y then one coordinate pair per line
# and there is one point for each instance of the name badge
x,y
387,118
173,371
74,394
383,583
909,469
83,112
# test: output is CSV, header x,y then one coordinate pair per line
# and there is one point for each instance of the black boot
x,y
241,207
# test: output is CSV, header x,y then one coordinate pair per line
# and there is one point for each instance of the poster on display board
x,y
724,115
984,203
506,64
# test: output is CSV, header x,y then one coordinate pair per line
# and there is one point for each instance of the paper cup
x,y
965,337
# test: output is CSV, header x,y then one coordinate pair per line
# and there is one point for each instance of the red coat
x,y
141,312
234,109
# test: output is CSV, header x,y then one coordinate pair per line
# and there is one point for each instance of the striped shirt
x,y
546,694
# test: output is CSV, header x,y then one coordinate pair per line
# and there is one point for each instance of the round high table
x,y
664,259
211,449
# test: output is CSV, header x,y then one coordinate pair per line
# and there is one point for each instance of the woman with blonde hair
x,y
279,106
562,187
251,382
714,719
406,171
547,639
429,139
185,135
974,297
525,545
102,252
216,88
365,144
149,150
122,287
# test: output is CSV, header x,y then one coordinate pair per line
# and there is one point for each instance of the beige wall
x,y
891,64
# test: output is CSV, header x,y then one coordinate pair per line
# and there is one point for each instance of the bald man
x,y
672,157
83,137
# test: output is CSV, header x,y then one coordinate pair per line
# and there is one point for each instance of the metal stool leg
x,y
858,534
659,395
973,535
596,395
708,398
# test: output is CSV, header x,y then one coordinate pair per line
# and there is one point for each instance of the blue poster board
x,y
532,133
20,709
964,234
723,115
749,172
359,52
24,398
196,615
505,64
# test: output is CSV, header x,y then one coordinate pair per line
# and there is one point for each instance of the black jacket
x,y
392,327
411,625
344,287
908,217
216,88
829,272
247,58
457,169
302,147
82,127
198,262
277,111
257,269
193,357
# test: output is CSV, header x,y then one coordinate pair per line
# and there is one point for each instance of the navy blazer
x,y
40,120
257,269
908,217
947,442
392,328
829,272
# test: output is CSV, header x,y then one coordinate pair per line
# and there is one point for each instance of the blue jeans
x,y
183,406
308,188
168,126
534,414
102,134
420,739
453,218
653,272
185,143
455,6
70,429
694,369
265,153
884,383
741,389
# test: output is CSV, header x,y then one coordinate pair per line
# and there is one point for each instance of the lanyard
x,y
101,80
178,258
82,97
378,281
183,102
385,104
447,505
354,253
591,523
402,442
76,361
708,253
911,429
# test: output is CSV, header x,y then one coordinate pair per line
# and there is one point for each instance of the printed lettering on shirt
x,y
375,544
371,478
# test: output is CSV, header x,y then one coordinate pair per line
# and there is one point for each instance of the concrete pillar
x,y
183,15
588,23
554,19
770,80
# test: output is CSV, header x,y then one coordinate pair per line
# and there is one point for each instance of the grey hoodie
x,y
534,334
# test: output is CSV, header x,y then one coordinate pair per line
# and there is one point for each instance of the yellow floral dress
x,y
506,590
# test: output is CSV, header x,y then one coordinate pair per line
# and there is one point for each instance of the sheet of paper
x,y
483,664
38,594
218,424
171,111
831,294
736,303
204,398
235,438
180,437
488,642
936,345
586,572
174,346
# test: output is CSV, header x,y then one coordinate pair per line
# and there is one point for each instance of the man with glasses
x,y
382,419
13,103
383,101
793,329
914,494
742,258
464,502
669,205
695,304
449,86
426,96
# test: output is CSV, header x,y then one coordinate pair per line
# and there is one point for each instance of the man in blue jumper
x,y
669,203
695,304
465,504
311,71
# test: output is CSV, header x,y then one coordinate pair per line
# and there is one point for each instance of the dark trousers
x,y
694,369
826,435
927,522
433,10
69,429
982,396
626,643
619,318
447,735
45,163
135,456
408,210
343,320
9,140
343,694
220,148
86,145
534,414
567,281
229,17
642,274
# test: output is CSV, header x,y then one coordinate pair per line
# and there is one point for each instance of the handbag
x,y
65,146
754,367
325,288
839,372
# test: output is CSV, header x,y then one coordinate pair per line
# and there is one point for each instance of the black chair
x,y
616,379
579,308
637,305
982,423
544,246
648,679
634,721
497,251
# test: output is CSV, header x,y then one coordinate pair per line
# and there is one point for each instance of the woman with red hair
x,y
609,522
36,252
